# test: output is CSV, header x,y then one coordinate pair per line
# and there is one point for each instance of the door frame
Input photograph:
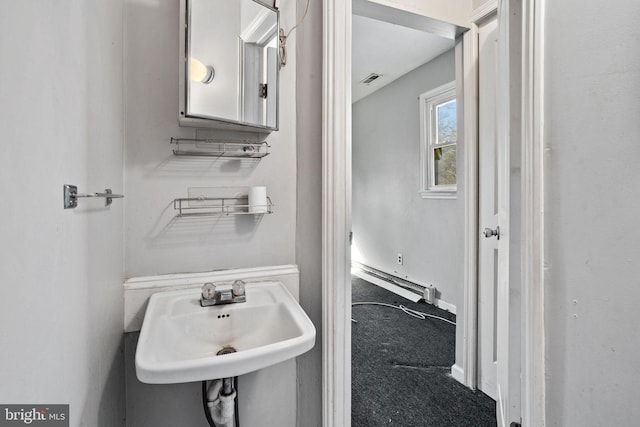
x,y
336,216
469,325
532,247
336,213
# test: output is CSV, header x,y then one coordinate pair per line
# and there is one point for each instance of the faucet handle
x,y
208,291
238,288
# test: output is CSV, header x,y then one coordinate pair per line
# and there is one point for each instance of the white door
x,y
494,322
488,208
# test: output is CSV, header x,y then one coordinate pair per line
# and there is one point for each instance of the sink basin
x,y
180,340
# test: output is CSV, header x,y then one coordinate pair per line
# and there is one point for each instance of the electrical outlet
x,y
400,259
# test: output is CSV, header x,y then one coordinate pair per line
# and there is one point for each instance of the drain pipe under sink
x,y
220,402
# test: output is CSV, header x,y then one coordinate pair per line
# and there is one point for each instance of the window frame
x,y
428,101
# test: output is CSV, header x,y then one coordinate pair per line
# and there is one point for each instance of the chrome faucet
x,y
211,296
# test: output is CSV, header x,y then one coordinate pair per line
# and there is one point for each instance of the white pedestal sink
x,y
180,340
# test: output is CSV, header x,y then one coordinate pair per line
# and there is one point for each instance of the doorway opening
x,y
408,226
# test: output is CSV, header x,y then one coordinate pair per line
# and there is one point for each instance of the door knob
x,y
490,233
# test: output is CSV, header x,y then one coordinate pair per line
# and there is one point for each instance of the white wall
x,y
389,215
592,205
156,242
61,271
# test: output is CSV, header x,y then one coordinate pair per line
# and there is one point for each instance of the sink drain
x,y
227,349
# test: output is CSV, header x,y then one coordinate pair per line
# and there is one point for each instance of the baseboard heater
x,y
403,283
407,289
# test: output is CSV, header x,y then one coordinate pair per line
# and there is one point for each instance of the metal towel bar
x,y
71,196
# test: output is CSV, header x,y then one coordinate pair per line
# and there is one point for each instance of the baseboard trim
x,y
445,306
457,373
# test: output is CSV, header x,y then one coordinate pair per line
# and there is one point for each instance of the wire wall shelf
x,y
217,148
219,206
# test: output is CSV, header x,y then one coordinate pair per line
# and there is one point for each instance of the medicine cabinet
x,y
229,65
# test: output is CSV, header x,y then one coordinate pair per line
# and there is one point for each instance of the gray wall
x,y
591,213
61,271
308,37
389,215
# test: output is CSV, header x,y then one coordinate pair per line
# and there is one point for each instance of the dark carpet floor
x,y
401,367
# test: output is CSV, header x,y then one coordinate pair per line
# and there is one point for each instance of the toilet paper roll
x,y
257,200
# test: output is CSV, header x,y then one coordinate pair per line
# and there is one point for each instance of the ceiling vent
x,y
371,77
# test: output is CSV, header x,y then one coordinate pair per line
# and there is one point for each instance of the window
x,y
439,138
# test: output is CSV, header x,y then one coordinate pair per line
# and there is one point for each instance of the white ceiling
x,y
390,50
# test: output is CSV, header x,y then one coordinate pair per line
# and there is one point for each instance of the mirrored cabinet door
x,y
229,65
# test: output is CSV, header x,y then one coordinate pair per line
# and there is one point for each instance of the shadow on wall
x,y
198,167
110,402
159,404
173,231
110,411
